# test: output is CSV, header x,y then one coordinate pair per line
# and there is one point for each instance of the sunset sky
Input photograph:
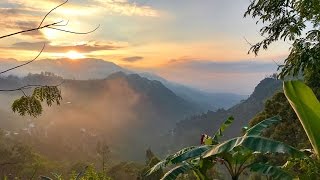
x,y
191,42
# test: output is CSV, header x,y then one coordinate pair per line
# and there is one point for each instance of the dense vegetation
x,y
281,142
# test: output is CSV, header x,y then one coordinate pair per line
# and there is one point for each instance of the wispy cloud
x,y
124,7
133,59
243,66
84,47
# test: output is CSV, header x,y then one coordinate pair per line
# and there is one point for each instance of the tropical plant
x,y
295,20
236,154
88,173
307,107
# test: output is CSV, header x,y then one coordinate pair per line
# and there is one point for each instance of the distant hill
x,y
205,100
188,131
86,69
128,111
83,69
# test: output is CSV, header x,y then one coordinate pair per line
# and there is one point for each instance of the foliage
x,y
307,107
289,130
294,20
104,153
18,160
151,160
236,154
31,105
88,173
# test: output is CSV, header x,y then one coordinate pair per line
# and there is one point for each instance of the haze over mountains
x,y
127,110
188,132
86,69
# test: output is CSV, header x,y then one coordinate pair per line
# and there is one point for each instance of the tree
x,y
31,104
104,152
299,22
295,20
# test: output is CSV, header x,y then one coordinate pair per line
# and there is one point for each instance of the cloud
x,y
120,7
244,66
84,47
17,19
123,7
133,59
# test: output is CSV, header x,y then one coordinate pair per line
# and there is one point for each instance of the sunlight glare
x,y
74,55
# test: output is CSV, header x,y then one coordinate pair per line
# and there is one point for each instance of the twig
x,y
247,41
44,45
73,32
28,30
30,86
51,26
51,11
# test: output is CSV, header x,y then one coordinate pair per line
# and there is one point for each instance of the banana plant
x,y
307,107
236,154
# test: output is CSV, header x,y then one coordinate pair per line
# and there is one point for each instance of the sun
x,y
74,55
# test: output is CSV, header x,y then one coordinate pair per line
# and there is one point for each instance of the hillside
x,y
86,69
205,100
188,131
127,111
83,69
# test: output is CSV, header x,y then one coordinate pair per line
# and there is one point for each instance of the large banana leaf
x,y
222,128
307,107
193,153
256,144
175,172
273,171
258,128
180,156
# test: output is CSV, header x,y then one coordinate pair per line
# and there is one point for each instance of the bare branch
x,y
73,32
51,26
28,30
247,41
44,18
61,24
44,45
29,87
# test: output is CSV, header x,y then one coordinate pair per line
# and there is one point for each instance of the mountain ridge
x,y
90,68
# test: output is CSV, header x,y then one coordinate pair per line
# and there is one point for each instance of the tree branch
x,y
44,45
73,32
29,87
49,25
44,18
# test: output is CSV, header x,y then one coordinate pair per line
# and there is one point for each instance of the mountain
x,y
188,132
205,100
85,69
127,111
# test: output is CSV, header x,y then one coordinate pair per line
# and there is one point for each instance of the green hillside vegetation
x,y
102,127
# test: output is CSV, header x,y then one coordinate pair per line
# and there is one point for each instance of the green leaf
x,y
272,171
222,128
256,144
27,105
191,154
258,128
307,107
49,94
180,156
175,172
156,167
